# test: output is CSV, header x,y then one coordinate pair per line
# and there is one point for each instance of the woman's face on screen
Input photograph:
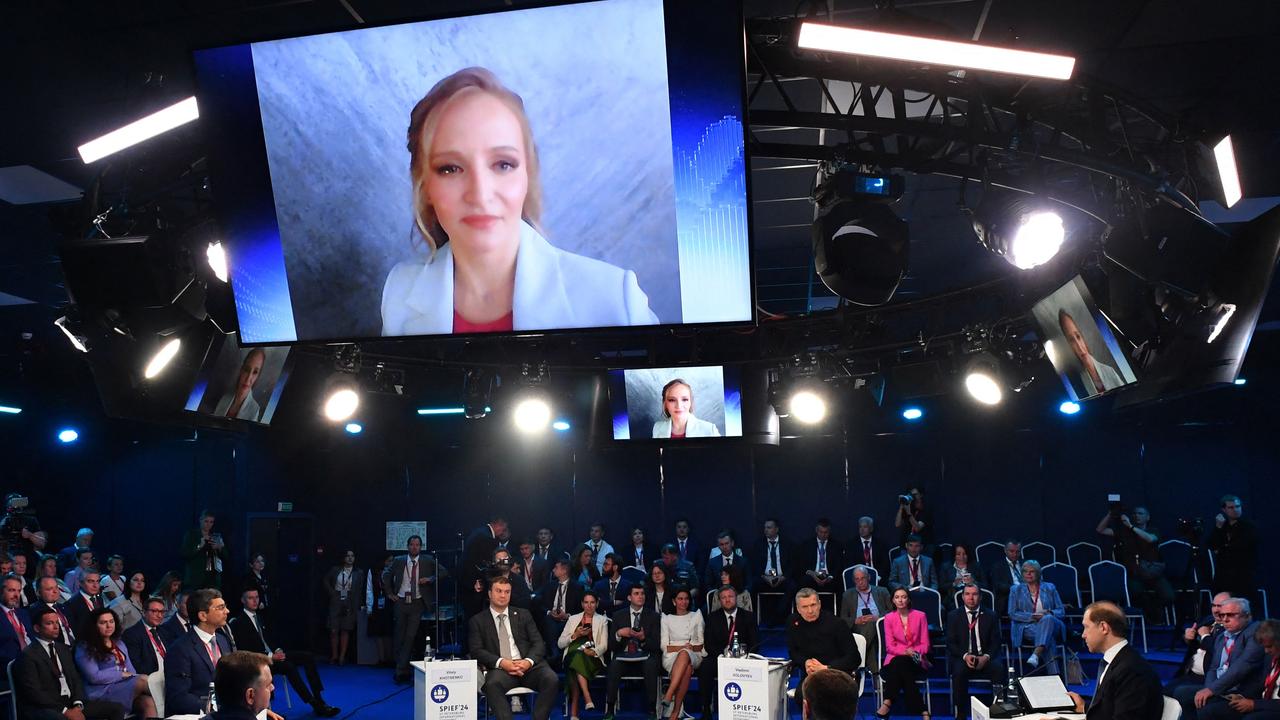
x,y
678,402
1074,337
249,371
477,177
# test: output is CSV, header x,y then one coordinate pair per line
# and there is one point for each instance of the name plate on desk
x,y
743,688
445,690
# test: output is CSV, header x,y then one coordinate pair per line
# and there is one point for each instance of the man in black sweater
x,y
817,639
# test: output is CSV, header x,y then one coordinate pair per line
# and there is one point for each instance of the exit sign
x,y
284,507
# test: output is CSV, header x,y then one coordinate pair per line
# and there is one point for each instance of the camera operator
x,y
20,530
1138,549
1234,544
914,518
500,566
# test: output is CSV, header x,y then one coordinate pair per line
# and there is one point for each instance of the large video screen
x,y
677,403
1080,344
240,383
566,167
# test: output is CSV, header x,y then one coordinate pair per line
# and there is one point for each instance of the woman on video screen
x,y
677,409
1102,376
477,201
238,402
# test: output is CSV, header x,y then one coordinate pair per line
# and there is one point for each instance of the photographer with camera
x,y
1234,544
914,518
20,530
1138,549
204,555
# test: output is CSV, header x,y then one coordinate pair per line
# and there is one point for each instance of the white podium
x,y
445,690
751,688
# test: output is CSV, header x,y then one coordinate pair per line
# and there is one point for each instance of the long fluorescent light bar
x,y
441,411
831,38
9,410
1228,173
139,130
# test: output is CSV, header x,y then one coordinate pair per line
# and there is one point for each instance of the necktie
x,y
973,632
560,598
915,571
822,556
262,636
1269,688
97,602
155,642
639,557
215,652
682,557
1102,666
53,658
728,560
866,553
413,579
773,555
68,636
504,643
596,545
1226,652
613,591
633,646
17,629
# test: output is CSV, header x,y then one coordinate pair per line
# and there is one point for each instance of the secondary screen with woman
x,y
678,418
675,403
1079,342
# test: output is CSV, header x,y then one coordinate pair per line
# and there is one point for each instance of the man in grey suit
x,y
1234,665
913,570
407,585
505,640
861,606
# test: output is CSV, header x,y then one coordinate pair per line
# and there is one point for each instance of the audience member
x,y
114,583
1128,688
600,548
506,642
914,518
1137,547
584,639
906,651
1005,574
962,570
640,553
560,598
502,566
143,641
257,580
866,550
636,640
85,601
179,623
48,567
16,633
1234,544
726,554
191,658
407,585
531,568
345,586
477,554
777,555
913,569
546,548
680,573
821,559
250,633
46,683
817,640
1262,705
203,555
50,597
1199,639
723,625
69,556
1234,665
85,559
1035,615
584,567
682,651
686,548
167,589
504,538
244,685
860,608
973,647
611,589
20,569
658,590
128,606
109,675
829,695
732,576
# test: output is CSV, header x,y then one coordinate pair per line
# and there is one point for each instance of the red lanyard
x,y
1035,600
1270,687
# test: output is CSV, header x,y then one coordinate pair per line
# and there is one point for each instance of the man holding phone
x,y
860,607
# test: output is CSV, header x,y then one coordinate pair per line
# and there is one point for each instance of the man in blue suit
x,y
1233,666
15,630
612,589
913,569
191,659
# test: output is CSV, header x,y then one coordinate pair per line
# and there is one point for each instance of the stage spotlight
x,y
532,415
354,428
1228,172
139,130
912,414
860,250
10,410
217,257
342,403
1240,381
1025,232
1069,408
67,436
167,352
560,425
982,380
807,406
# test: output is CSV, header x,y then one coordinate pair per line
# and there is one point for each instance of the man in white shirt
x,y
407,586
599,546
250,633
776,555
505,640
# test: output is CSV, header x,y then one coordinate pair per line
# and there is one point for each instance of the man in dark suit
x,y
559,598
639,553
821,559
86,600
143,640
477,553
973,647
15,630
1005,573
817,640
1199,639
68,555
190,660
50,597
913,569
776,556
1234,665
637,636
502,565
1128,688
250,633
531,568
47,684
179,624
505,640
244,686
721,627
1261,705
407,586
727,554
546,548
866,550
681,574
1234,543
687,548
611,589
829,695
860,608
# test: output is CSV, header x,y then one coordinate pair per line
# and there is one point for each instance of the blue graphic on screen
x,y
640,410
261,288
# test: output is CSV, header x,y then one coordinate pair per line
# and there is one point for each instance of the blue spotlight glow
x,y
355,428
912,414
68,435
560,425
1069,408
1241,381
10,410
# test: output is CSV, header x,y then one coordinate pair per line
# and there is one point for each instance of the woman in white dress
x,y
682,651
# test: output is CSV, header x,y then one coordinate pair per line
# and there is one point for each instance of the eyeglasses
x,y
1234,614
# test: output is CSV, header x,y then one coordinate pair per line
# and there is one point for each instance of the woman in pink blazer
x,y
906,650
